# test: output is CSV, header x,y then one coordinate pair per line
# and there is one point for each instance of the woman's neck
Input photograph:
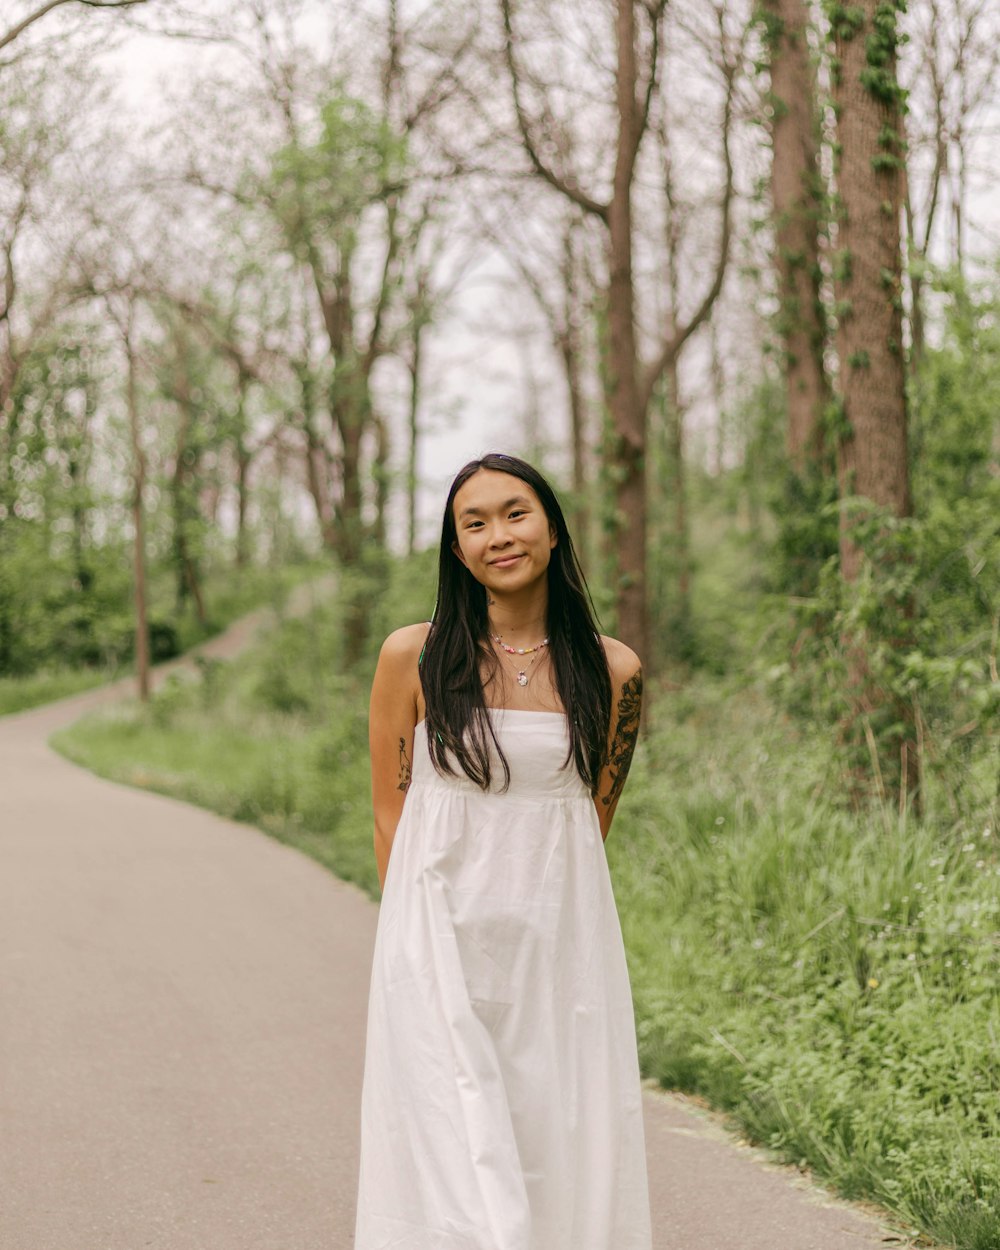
x,y
519,619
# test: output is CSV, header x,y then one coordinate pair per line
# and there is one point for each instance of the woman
x,y
501,1106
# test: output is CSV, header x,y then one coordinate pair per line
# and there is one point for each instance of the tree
x,y
955,60
631,379
872,458
872,450
122,304
798,201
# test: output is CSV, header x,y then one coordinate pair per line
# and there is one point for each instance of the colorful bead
x,y
518,650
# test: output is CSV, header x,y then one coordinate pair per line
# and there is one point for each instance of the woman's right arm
x,y
392,720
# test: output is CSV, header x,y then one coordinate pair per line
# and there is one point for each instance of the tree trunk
x,y
80,515
413,442
797,198
188,578
381,474
243,462
352,414
138,522
244,458
916,257
681,538
317,477
872,460
872,453
569,349
7,495
350,535
719,397
627,411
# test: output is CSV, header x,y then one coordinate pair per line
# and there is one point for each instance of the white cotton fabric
x,y
501,1107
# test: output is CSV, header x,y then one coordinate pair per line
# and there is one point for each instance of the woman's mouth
x,y
505,562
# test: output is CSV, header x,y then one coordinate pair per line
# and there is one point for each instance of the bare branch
x,y
374,348
47,8
680,335
655,11
444,85
565,186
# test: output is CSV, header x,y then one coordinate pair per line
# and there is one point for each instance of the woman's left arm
x,y
626,711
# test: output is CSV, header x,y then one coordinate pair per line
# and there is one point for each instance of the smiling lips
x,y
504,562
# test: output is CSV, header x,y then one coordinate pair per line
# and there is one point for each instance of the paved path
x,y
182,1005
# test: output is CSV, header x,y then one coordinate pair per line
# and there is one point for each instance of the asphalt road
x,y
182,1010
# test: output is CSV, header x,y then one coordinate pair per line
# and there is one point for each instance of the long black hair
x,y
458,725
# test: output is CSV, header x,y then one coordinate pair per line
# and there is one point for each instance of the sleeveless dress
x,y
501,1106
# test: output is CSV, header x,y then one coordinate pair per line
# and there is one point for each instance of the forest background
x,y
272,270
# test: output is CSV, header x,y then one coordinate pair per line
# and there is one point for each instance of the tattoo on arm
x,y
404,767
626,733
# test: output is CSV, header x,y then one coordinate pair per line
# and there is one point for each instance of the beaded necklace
x,y
522,673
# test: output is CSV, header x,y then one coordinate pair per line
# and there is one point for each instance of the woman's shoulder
x,y
623,662
405,644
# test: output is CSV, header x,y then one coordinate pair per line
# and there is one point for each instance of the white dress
x,y
501,1107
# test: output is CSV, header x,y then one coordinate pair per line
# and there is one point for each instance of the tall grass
x,y
832,981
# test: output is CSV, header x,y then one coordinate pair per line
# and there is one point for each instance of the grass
x,y
231,593
831,981
20,693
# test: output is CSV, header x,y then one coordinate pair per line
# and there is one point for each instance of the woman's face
x,y
504,537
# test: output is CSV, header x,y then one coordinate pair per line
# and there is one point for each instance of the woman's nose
x,y
500,536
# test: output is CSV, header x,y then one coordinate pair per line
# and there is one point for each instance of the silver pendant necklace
x,y
522,673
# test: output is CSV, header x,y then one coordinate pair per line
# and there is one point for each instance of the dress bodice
x,y
536,747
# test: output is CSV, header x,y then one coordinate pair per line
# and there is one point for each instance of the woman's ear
x,y
458,551
553,537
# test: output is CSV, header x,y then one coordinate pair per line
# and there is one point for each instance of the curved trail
x,y
182,1013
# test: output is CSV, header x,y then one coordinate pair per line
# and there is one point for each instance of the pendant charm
x,y
522,679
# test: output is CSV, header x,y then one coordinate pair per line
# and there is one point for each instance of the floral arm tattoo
x,y
626,733
404,767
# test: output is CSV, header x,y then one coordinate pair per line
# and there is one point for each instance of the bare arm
x,y
391,723
626,711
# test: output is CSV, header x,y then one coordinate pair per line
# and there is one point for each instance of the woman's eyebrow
x,y
503,507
